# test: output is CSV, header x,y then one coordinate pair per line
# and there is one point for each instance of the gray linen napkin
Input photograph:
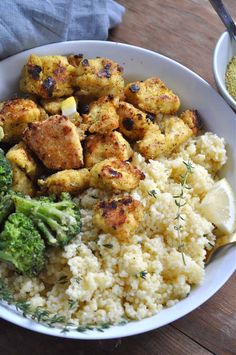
x,y
29,23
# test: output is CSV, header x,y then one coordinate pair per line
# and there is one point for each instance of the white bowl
x,y
225,49
194,93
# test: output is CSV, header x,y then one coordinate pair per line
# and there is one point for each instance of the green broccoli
x,y
6,173
6,205
58,221
22,245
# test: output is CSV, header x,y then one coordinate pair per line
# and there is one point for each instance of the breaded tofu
x,y
56,142
19,155
115,174
192,119
15,115
102,117
153,143
133,122
98,147
48,76
99,77
52,106
152,96
119,216
21,182
72,181
156,142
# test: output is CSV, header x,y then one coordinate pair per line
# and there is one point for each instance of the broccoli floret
x,y
22,245
6,205
58,221
6,173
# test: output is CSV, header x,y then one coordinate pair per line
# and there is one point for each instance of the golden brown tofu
x,y
153,143
102,117
99,77
75,59
21,182
133,122
176,132
56,143
72,181
152,96
192,119
99,147
52,106
119,216
48,76
14,117
115,174
21,157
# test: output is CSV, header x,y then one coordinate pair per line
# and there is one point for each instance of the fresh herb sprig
x,y
180,202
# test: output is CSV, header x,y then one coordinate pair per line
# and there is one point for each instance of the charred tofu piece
x,y
192,119
120,216
102,117
176,132
99,147
15,116
133,122
152,96
72,181
52,106
99,77
48,76
56,142
19,155
153,143
115,174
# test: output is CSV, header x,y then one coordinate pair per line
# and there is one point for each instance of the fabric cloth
x,y
26,24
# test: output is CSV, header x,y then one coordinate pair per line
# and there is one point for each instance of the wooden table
x,y
185,30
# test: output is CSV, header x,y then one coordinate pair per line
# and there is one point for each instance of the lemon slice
x,y
68,106
218,206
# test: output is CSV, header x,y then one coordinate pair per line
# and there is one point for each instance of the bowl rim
x,y
16,317
219,82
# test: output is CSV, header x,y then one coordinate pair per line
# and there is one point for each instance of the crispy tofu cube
x,y
99,77
20,156
115,174
153,96
99,147
72,181
48,76
153,143
156,142
133,122
119,216
102,116
15,116
192,119
21,182
56,143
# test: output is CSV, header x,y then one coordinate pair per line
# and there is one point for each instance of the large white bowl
x,y
225,49
194,93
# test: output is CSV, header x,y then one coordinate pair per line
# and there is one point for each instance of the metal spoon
x,y
221,242
225,17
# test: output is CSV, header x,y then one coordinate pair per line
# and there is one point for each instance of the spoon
x,y
225,17
221,242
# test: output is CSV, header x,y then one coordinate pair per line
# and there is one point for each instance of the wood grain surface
x,y
185,30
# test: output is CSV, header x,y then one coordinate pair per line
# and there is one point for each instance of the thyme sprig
x,y
180,202
41,315
152,193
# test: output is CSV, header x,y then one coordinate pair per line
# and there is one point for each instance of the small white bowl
x,y
225,49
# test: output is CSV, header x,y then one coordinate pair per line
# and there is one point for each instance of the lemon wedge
x,y
68,106
218,206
